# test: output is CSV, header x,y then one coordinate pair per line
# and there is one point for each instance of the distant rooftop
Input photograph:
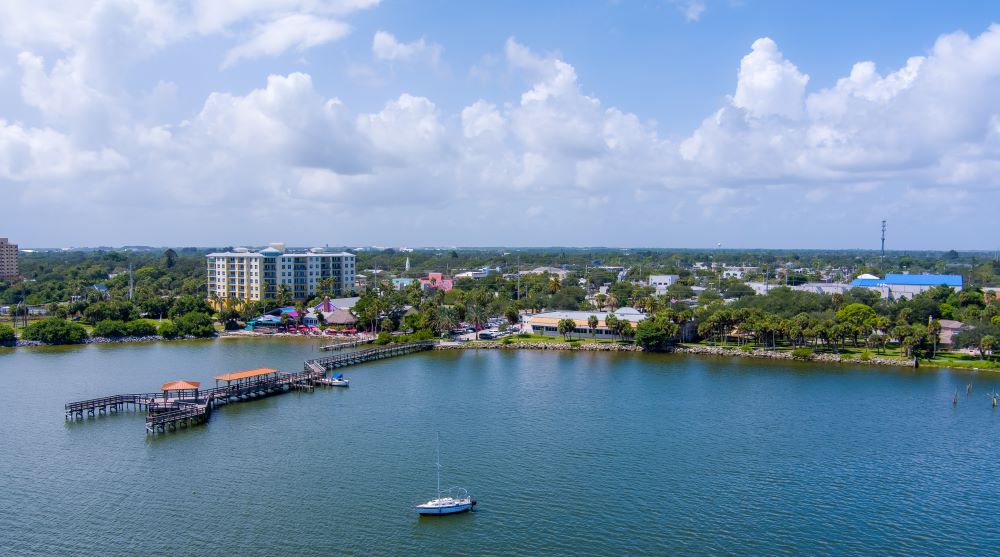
x,y
909,280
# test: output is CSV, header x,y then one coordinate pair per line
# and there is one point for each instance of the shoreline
x,y
759,354
20,343
697,350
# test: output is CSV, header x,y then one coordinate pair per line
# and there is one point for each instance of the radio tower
x,y
882,265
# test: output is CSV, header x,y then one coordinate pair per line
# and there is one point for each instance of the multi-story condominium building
x,y
245,275
8,259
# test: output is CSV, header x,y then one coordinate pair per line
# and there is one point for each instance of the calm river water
x,y
567,454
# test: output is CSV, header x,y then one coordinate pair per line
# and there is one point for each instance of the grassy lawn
x,y
960,359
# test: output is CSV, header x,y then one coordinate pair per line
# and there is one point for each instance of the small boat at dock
x,y
337,380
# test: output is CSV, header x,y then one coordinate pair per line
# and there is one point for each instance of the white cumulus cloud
x,y
298,31
386,47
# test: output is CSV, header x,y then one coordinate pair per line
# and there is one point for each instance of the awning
x,y
236,375
181,386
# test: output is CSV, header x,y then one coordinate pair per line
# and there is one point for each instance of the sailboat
x,y
338,380
455,500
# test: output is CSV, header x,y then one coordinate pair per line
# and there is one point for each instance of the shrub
x,y
140,329
189,304
7,334
802,353
168,330
507,340
865,355
110,311
55,331
110,328
383,338
574,343
422,334
195,324
747,348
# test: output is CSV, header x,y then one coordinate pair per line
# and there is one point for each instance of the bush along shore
x,y
688,349
101,340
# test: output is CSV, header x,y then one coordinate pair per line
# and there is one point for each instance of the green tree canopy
x,y
55,331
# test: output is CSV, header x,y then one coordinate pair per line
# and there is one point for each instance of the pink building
x,y
436,280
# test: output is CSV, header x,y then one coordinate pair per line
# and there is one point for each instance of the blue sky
x,y
352,122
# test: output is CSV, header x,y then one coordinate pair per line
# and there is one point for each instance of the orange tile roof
x,y
181,385
245,374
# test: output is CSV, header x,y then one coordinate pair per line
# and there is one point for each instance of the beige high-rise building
x,y
246,275
8,259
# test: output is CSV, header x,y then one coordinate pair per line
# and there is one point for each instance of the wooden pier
x,y
347,344
330,363
190,405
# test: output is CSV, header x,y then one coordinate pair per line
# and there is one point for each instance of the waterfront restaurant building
x,y
547,323
245,275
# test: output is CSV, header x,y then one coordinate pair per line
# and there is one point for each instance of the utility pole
x,y
517,296
882,262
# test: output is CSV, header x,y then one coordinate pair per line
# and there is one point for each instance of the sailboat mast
x,y
439,464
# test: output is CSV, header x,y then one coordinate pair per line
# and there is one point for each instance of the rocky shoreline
x,y
699,350
490,345
775,355
99,340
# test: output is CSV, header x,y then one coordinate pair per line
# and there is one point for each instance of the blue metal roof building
x,y
911,280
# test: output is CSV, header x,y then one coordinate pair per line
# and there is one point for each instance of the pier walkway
x,y
190,405
330,363
347,344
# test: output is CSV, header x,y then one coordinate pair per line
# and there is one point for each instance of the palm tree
x,y
447,318
933,330
565,327
475,313
601,300
612,302
592,322
283,296
554,285
986,343
611,322
625,329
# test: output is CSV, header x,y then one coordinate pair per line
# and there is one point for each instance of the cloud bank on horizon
x,y
88,158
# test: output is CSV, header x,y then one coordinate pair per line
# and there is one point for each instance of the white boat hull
x,y
437,507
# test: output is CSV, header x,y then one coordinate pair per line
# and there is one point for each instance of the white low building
x,y
559,273
662,282
762,288
548,323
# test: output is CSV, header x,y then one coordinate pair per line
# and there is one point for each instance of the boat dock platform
x,y
347,344
180,404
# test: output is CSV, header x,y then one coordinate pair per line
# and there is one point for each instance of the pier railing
x,y
171,413
359,356
114,403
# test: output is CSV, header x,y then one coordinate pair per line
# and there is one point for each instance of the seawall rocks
x,y
698,349
776,355
540,346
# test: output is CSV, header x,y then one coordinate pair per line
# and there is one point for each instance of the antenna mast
x,y
882,261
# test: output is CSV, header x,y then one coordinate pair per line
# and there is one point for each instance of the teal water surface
x,y
567,454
